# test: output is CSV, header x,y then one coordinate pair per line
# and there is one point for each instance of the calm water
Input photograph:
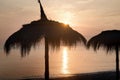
x,y
62,63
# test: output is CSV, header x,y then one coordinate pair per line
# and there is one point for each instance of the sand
x,y
108,75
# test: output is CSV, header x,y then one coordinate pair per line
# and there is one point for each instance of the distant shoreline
x,y
106,75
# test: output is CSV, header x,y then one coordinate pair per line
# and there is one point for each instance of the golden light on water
x,y
65,61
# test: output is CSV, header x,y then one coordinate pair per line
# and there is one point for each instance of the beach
x,y
59,39
108,75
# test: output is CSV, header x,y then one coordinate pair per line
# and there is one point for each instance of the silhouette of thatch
x,y
30,34
53,32
110,40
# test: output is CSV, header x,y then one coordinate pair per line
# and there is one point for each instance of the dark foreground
x,y
88,76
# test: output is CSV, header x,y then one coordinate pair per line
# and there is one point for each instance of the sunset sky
x,y
89,17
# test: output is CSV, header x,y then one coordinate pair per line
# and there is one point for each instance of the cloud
x,y
115,13
84,1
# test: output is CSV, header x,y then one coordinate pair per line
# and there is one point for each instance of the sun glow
x,y
65,61
66,18
66,22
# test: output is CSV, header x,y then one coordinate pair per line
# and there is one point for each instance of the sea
x,y
63,62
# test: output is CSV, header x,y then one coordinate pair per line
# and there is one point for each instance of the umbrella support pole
x,y
117,63
46,59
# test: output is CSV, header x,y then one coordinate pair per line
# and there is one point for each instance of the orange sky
x,y
89,17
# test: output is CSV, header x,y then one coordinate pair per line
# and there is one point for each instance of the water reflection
x,y
65,61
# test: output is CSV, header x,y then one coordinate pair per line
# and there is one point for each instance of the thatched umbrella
x,y
53,32
110,40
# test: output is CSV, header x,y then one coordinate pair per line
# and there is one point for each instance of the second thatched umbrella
x,y
110,40
53,32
